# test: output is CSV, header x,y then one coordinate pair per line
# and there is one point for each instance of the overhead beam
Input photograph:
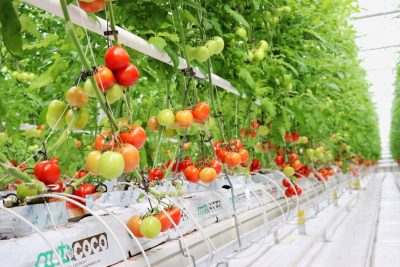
x,y
79,17
378,14
380,48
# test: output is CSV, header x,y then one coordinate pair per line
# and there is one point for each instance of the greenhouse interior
x,y
200,133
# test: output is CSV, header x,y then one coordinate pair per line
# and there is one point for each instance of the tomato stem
x,y
112,22
66,132
17,174
70,28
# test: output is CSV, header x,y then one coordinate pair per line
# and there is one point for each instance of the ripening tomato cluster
x,y
205,170
114,155
255,127
118,71
204,52
324,173
292,189
186,120
232,153
294,167
295,137
151,225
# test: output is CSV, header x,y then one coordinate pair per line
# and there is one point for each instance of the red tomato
x,y
175,215
134,225
221,154
156,174
201,112
84,190
136,136
255,165
47,171
243,133
293,157
216,165
101,142
289,192
166,223
81,174
127,76
233,159
255,124
295,136
307,171
92,7
297,165
184,164
298,191
288,137
235,143
56,187
279,160
244,155
253,133
131,157
192,174
78,143
184,118
116,58
105,78
286,183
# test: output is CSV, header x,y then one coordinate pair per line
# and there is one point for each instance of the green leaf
x,y
171,36
10,28
158,42
239,18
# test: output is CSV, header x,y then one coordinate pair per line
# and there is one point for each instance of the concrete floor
x,y
363,230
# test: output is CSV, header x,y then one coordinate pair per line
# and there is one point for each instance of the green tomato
x,y
25,76
241,32
190,53
250,56
264,45
169,133
3,138
33,148
193,129
150,227
24,190
88,88
201,53
83,119
111,164
220,43
263,130
212,47
310,153
166,117
55,114
259,54
288,171
114,93
32,133
105,124
286,9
